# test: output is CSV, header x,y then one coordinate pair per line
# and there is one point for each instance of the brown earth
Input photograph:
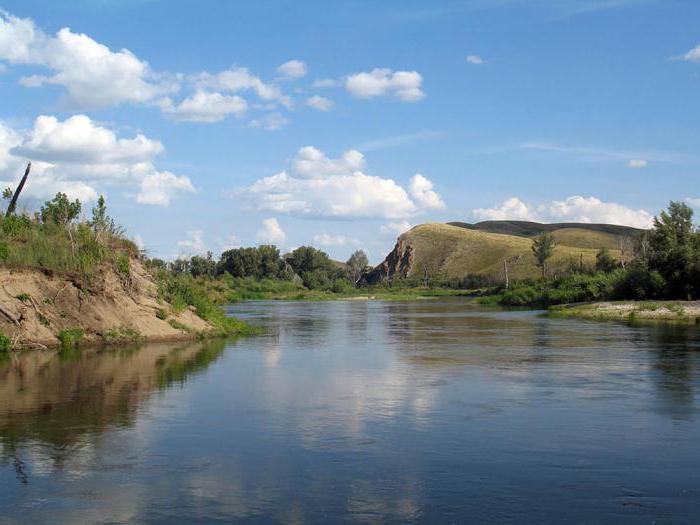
x,y
36,304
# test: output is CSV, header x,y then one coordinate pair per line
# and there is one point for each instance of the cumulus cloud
x,y
319,103
395,228
319,186
312,163
238,79
475,59
78,156
571,209
637,163
193,244
270,122
325,239
421,189
271,232
403,85
204,106
693,55
159,187
92,74
292,69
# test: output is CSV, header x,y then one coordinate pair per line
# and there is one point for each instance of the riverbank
x,y
680,312
43,308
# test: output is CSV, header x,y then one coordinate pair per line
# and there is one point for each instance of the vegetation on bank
x,y
664,265
677,312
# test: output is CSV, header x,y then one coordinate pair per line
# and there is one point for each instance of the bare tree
x,y
356,265
509,261
20,187
626,249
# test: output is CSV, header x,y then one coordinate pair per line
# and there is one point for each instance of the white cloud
x,y
403,85
158,188
77,156
320,103
637,163
475,59
326,83
319,186
204,106
93,75
79,140
693,55
271,232
271,122
325,239
510,209
421,189
395,228
193,244
571,209
238,79
293,69
312,163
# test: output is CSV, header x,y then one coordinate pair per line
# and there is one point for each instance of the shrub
x,y
639,282
70,338
5,343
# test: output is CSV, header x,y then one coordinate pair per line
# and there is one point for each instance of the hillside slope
x,y
580,235
37,304
445,251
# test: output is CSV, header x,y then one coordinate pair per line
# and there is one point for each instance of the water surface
x,y
361,412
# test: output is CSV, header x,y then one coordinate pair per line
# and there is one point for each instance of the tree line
x,y
309,266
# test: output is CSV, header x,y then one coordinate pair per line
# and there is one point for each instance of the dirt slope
x,y
36,304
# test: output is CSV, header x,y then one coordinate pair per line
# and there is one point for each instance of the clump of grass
x,y
161,314
177,325
24,297
71,337
121,334
5,343
676,309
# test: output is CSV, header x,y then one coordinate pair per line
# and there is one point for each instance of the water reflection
x,y
362,412
58,401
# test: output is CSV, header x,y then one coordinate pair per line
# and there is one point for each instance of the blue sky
x,y
213,124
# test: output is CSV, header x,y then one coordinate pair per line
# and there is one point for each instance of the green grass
x,y
451,252
71,337
177,325
5,343
121,334
25,241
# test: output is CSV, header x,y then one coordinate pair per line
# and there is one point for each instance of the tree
x,y
356,265
604,262
100,220
15,195
542,249
60,210
674,250
202,266
313,266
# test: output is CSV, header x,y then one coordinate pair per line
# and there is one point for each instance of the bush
x,y
639,282
5,343
71,337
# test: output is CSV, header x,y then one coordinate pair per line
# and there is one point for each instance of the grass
x,y
177,325
121,334
71,337
26,241
5,343
632,312
449,252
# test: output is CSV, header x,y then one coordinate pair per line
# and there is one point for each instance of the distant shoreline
x,y
676,312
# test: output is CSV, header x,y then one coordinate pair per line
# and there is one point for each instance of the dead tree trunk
x,y
15,195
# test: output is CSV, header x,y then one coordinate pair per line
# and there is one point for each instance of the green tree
x,y
542,249
202,266
313,266
604,262
60,210
674,251
356,265
100,220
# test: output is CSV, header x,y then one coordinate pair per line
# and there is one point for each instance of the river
x,y
431,411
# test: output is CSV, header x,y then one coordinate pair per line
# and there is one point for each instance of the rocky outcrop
x,y
37,304
397,265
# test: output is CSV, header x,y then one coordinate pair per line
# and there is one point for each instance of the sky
x,y
212,124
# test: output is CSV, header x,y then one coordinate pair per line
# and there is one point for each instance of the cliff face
x,y
397,265
36,304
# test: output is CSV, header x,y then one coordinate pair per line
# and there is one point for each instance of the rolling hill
x,y
459,250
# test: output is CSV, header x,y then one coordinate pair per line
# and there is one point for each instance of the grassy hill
x,y
448,252
581,235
